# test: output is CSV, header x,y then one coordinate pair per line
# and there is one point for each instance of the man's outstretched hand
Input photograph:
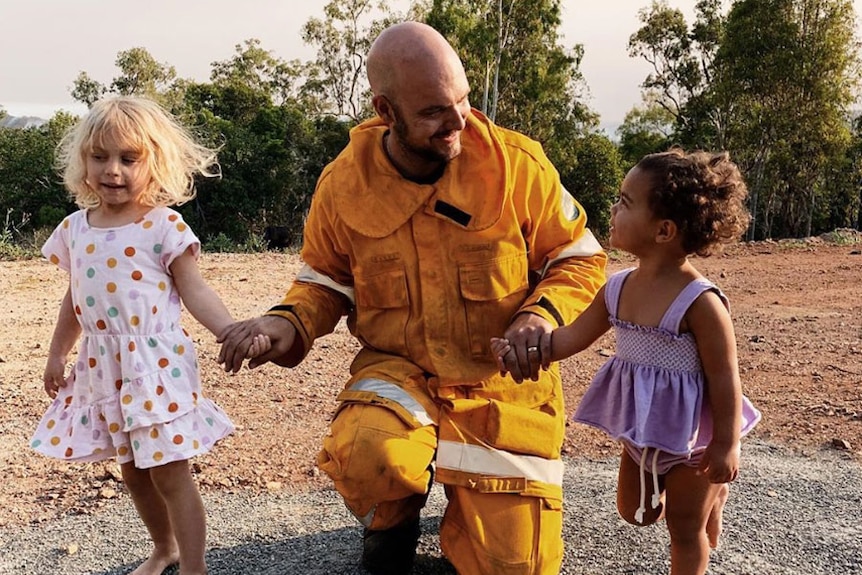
x,y
238,338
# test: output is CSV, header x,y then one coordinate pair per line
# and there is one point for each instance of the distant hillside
x,y
22,122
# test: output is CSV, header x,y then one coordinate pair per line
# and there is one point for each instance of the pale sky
x,y
44,44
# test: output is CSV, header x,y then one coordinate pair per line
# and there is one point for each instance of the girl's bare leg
x,y
691,499
629,492
152,511
185,508
715,522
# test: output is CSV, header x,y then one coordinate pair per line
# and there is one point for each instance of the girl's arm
x,y
66,333
710,323
198,297
563,341
577,336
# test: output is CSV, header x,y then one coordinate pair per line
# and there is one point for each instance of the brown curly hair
x,y
703,193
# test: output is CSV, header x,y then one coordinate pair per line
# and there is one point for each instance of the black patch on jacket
x,y
453,213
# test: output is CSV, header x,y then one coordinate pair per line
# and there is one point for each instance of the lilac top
x,y
651,393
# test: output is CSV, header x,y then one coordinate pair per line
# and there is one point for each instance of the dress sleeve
x,y
177,237
56,247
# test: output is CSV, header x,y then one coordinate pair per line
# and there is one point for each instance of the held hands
x,y
720,462
525,349
262,339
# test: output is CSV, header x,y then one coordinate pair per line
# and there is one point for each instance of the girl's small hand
x,y
54,375
500,347
259,346
720,462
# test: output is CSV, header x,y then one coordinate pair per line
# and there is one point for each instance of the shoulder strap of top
x,y
613,287
674,314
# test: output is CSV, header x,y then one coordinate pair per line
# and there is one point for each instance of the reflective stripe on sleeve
x,y
587,245
392,392
308,275
497,463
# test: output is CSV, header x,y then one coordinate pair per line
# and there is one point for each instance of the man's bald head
x,y
407,49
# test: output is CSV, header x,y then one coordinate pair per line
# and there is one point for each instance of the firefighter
x,y
433,231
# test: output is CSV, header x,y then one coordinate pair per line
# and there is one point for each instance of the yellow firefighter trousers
x,y
380,461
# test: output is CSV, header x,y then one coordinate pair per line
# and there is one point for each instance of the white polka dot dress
x,y
135,391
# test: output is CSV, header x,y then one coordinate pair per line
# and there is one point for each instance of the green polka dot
x,y
176,372
91,301
210,420
84,420
129,421
157,248
136,445
126,380
36,443
102,350
113,312
152,342
90,272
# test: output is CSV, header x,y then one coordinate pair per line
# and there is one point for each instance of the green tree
x,y
791,67
645,130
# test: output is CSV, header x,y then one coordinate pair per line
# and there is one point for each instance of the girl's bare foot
x,y
714,523
157,562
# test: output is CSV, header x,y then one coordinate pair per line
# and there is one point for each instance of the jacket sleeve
x,y
323,289
567,263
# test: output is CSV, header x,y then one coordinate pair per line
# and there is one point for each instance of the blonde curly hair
x,y
172,155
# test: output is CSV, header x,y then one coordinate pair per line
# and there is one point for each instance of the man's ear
x,y
666,231
384,109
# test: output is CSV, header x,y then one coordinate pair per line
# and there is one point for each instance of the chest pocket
x,y
382,310
492,291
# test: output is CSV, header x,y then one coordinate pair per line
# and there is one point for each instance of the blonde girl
x,y
672,393
134,391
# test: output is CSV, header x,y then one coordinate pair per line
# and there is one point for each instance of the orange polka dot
x,y
163,286
78,309
54,259
92,362
172,218
137,275
157,456
173,407
91,248
159,390
195,395
127,399
154,433
148,405
55,440
131,346
118,384
181,227
181,349
112,262
51,423
163,362
101,324
195,444
148,224
155,310
129,251
102,417
68,452
68,400
114,427
178,439
117,356
135,320
65,223
111,287
123,450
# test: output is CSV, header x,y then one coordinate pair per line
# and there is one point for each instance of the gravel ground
x,y
789,514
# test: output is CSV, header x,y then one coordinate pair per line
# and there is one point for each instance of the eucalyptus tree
x,y
792,69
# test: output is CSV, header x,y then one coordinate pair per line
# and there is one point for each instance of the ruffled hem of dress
x,y
75,435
